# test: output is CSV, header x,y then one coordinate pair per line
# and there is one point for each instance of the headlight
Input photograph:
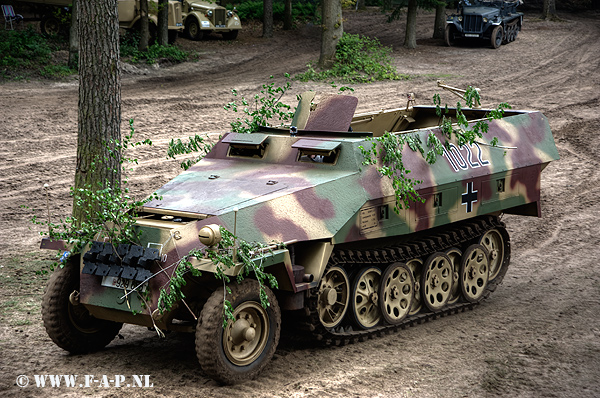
x,y
209,13
485,20
229,14
459,19
210,235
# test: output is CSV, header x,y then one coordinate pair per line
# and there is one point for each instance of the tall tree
x,y
162,34
144,31
331,31
99,121
73,37
549,10
267,18
287,15
440,20
410,38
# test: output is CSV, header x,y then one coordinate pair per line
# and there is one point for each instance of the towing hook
x,y
74,298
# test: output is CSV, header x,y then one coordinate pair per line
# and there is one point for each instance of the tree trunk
x,y
73,38
99,121
331,32
440,21
361,4
144,32
267,18
549,10
287,15
162,34
410,40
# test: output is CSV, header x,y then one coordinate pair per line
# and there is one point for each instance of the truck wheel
x,y
449,35
50,26
192,29
70,326
244,347
497,35
231,35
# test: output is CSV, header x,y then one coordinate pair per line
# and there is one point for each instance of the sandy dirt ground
x,y
538,335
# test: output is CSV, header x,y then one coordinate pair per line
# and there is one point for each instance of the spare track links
x,y
459,235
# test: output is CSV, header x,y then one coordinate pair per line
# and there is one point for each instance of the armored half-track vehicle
x,y
203,17
496,21
351,266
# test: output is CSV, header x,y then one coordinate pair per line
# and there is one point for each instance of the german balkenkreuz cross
x,y
469,197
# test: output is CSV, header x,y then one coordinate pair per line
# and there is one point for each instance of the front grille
x,y
219,16
473,24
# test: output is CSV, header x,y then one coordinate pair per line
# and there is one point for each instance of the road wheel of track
x,y
192,29
333,297
436,281
243,348
474,272
70,326
396,292
454,255
449,35
497,36
416,268
365,298
493,242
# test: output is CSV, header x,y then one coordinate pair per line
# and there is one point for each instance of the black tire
x,y
231,35
497,36
192,29
71,327
221,363
50,26
449,35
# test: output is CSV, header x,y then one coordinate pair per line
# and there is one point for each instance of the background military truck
x,y
203,17
54,19
352,266
495,20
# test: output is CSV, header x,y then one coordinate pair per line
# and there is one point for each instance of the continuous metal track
x,y
457,235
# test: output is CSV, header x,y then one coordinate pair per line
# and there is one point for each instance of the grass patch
x,y
22,286
26,53
155,53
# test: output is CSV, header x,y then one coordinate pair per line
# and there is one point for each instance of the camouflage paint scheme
x,y
286,197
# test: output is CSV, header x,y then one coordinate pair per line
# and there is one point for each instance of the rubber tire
x,y
50,26
209,334
497,37
231,35
60,325
192,30
449,35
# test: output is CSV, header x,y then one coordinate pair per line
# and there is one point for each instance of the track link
x,y
458,235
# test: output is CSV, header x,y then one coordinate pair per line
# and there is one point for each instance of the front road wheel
x,y
243,348
70,326
192,29
497,36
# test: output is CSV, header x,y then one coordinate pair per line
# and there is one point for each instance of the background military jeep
x,y
495,20
203,17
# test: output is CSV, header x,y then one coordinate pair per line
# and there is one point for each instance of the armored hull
x,y
353,264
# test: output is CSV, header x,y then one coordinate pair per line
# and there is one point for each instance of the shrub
x,y
253,9
358,59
